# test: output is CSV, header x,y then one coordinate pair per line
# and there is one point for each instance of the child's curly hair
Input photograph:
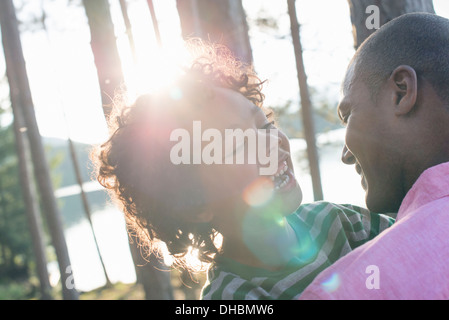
x,y
126,164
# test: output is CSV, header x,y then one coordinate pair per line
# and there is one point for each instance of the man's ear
x,y
404,82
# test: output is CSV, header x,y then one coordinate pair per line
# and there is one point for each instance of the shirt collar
x,y
431,185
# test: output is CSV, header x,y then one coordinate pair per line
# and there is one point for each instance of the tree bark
x,y
222,21
152,274
129,32
306,105
104,49
388,11
30,197
157,33
16,64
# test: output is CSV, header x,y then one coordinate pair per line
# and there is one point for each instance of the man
x,y
396,108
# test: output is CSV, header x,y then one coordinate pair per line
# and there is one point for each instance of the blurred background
x,y
62,60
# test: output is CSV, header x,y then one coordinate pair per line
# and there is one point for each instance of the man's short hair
x,y
419,40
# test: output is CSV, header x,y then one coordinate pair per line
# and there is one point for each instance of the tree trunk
x,y
129,32
86,207
157,33
306,105
107,60
16,64
104,49
152,274
388,10
29,196
222,21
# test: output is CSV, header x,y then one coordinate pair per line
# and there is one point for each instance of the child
x,y
178,162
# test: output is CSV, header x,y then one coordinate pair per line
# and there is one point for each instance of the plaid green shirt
x,y
326,232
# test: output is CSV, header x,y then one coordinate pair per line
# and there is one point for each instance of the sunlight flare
x,y
259,192
155,69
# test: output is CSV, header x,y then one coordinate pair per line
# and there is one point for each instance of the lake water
x,y
341,184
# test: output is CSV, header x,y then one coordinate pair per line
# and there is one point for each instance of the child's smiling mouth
x,y
282,178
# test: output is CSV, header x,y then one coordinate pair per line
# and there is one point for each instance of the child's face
x,y
233,187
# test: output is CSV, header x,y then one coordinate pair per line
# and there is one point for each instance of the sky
x,y
63,77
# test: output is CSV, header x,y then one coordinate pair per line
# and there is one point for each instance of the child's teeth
x,y
283,183
281,172
284,169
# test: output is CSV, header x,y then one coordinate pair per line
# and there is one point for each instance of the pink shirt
x,y
410,260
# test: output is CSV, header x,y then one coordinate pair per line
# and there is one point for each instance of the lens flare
x,y
332,283
259,192
176,93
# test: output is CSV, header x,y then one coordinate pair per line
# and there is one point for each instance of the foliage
x,y
16,291
15,242
119,291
